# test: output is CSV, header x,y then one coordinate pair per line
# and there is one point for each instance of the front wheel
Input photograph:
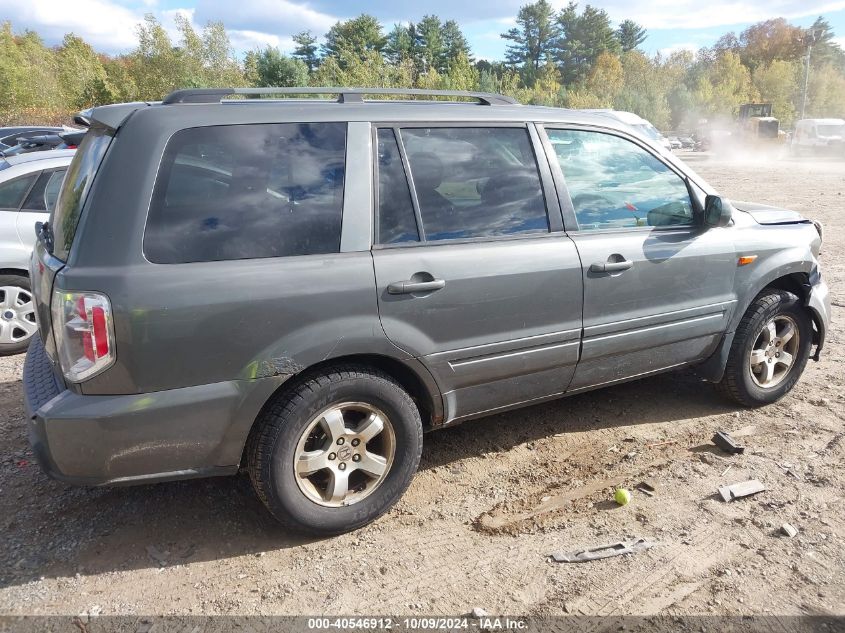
x,y
769,351
337,451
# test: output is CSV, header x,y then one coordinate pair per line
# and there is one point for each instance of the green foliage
x,y
358,37
533,39
572,58
583,37
630,35
275,69
306,49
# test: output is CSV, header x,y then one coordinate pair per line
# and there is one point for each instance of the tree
x,y
764,42
643,91
778,84
359,36
825,50
455,43
399,44
724,87
826,97
534,39
428,46
605,79
582,38
306,49
277,69
630,35
81,74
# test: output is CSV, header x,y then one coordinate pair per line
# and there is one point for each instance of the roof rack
x,y
345,95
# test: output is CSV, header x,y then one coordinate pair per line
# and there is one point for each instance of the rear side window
x,y
42,197
248,191
475,182
74,191
396,219
13,191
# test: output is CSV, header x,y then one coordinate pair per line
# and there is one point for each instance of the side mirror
x,y
717,211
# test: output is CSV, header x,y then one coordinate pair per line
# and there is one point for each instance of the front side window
x,y
614,183
248,191
475,182
13,191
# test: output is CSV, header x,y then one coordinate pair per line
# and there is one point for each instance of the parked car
x,y
819,136
29,185
675,143
44,142
9,135
687,142
299,288
638,124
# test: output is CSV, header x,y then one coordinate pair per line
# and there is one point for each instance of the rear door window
x,y
475,182
13,191
396,220
248,191
42,196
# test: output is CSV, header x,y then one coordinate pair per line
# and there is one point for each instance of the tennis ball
x,y
622,496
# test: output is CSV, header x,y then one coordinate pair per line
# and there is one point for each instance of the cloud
x,y
252,40
271,17
103,24
694,14
674,48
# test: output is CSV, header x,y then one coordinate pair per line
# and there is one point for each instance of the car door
x,y
658,286
38,203
475,275
12,193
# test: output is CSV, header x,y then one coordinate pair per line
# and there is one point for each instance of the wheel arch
x,y
798,283
20,272
410,373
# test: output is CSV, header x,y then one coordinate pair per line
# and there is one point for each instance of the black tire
x,y
19,281
273,444
738,382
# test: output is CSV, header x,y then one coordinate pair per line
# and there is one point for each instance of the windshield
x,y
648,130
831,130
77,183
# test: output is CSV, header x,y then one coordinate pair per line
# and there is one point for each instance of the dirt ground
x,y
492,500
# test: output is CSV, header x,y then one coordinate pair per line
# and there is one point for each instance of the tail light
x,y
84,331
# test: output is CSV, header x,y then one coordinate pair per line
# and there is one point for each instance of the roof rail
x,y
345,95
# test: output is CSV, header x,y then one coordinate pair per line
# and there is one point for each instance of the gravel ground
x,y
545,473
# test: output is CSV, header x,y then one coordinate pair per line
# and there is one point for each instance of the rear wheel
x,y
17,314
769,351
337,451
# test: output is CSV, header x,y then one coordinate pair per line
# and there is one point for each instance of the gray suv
x,y
300,287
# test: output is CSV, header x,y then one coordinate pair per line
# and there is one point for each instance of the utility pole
x,y
813,36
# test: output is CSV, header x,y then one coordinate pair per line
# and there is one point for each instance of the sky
x,y
109,25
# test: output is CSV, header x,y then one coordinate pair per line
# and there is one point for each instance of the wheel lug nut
x,y
356,458
355,442
332,455
340,441
341,466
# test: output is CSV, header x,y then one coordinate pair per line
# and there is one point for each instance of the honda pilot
x,y
299,282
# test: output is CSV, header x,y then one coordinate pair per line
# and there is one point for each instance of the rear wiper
x,y
44,233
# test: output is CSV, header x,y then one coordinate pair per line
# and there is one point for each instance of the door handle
x,y
409,287
611,267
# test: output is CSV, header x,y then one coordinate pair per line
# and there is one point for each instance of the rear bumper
x,y
96,440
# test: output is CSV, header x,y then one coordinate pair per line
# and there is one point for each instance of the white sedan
x,y
29,186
